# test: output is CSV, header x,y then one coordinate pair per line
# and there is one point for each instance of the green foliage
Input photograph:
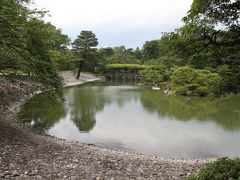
x,y
122,55
26,40
126,66
62,59
156,75
208,40
46,114
106,52
219,11
123,59
138,54
151,50
189,81
230,80
85,48
224,168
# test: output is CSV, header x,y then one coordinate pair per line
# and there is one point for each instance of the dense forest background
x,y
202,57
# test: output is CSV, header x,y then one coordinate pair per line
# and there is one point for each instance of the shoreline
x,y
70,80
26,155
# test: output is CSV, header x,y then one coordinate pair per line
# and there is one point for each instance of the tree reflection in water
x,y
43,112
225,111
84,102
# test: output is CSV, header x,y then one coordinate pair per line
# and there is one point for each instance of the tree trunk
x,y
79,70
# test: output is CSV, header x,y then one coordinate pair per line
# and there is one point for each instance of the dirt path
x,y
26,155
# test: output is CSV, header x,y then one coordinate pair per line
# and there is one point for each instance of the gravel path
x,y
26,155
70,80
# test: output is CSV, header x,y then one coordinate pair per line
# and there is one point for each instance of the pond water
x,y
135,118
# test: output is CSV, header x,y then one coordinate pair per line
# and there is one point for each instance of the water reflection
x,y
42,113
139,119
225,112
83,106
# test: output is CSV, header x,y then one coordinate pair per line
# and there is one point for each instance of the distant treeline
x,y
201,57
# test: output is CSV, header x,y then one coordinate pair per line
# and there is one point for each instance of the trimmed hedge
x,y
126,66
134,67
189,81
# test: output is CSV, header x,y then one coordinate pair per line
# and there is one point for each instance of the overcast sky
x,y
117,22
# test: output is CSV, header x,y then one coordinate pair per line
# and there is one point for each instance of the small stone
x,y
25,176
15,173
183,174
39,177
98,178
128,169
26,172
6,172
188,174
7,177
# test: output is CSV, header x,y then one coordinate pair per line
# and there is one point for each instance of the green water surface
x,y
136,118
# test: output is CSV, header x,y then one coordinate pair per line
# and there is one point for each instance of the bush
x,y
155,75
222,169
230,80
189,81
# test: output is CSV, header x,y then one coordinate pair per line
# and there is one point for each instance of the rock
x,y
15,173
156,88
183,174
7,177
169,92
39,177
6,172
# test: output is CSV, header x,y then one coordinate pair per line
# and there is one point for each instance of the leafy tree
x,y
138,53
225,13
151,50
44,37
106,52
26,40
220,11
85,48
119,58
123,56
62,59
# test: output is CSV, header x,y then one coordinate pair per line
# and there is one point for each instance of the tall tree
x,y
138,53
151,49
85,47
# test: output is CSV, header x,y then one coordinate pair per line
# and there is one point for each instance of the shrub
x,y
189,81
224,168
155,75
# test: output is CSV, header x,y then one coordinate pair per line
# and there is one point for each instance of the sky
x,y
116,22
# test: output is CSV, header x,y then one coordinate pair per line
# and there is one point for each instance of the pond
x,y
136,118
